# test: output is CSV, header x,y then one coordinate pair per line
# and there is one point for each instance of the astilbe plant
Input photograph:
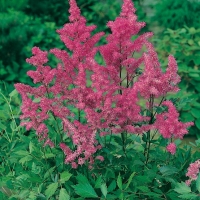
x,y
109,95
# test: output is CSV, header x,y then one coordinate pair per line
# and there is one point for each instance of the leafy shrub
x,y
16,4
18,29
185,45
175,14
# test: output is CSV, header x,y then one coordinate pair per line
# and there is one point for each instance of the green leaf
x,y
186,116
23,194
143,179
65,176
63,195
198,183
112,186
195,113
143,189
168,170
13,93
85,190
48,155
182,188
129,180
197,122
25,159
22,153
51,189
98,182
153,194
13,126
36,100
82,179
104,189
2,126
193,75
35,169
188,196
49,172
119,182
31,147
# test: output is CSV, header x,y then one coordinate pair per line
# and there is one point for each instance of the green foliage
x,y
19,33
184,44
16,4
185,191
175,14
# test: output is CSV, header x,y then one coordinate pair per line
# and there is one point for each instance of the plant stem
x,y
148,142
123,136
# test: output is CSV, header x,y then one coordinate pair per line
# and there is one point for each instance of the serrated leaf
x,y
2,126
104,189
13,125
23,194
153,194
22,153
35,169
4,112
63,195
119,181
187,196
13,93
168,170
82,179
65,176
31,147
129,180
143,188
51,189
198,183
85,190
182,188
112,186
25,159
49,172
98,182
48,155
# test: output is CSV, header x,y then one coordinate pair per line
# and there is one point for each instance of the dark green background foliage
x,y
175,14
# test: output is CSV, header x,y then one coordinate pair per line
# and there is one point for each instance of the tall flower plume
x,y
111,100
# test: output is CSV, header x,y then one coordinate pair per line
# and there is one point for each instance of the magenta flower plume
x,y
154,82
109,96
193,171
171,148
75,13
168,123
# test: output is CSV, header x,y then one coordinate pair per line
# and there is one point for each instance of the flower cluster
x,y
193,171
169,126
111,99
171,148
